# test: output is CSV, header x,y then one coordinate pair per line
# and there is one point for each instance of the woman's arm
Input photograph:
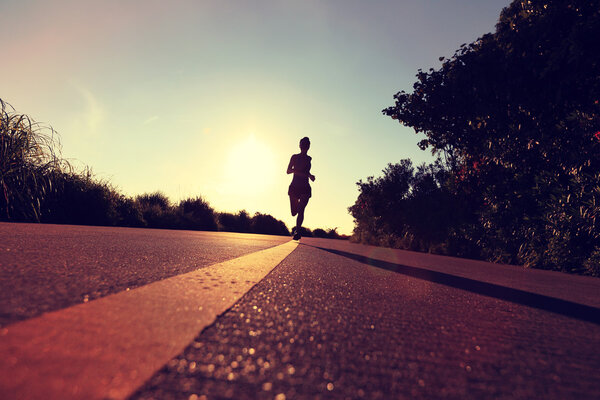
x,y
291,166
291,169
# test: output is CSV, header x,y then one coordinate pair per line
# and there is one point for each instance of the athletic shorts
x,y
299,189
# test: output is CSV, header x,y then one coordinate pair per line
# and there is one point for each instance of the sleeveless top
x,y
301,164
300,185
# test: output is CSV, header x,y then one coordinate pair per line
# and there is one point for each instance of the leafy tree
x,y
267,224
517,115
376,211
240,222
412,209
157,210
196,213
327,234
319,233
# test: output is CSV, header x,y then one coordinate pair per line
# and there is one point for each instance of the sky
x,y
210,98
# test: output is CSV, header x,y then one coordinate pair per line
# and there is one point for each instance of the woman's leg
x,y
303,201
294,201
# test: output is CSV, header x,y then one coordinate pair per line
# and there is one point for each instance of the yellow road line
x,y
108,347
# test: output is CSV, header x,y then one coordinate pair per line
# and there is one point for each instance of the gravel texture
x,y
49,267
325,326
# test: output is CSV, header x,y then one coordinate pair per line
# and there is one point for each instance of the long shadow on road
x,y
539,301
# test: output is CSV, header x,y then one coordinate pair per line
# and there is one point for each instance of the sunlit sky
x,y
211,98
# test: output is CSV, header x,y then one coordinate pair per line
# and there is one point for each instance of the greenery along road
x,y
515,120
39,186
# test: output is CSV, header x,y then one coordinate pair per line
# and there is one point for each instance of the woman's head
x,y
304,144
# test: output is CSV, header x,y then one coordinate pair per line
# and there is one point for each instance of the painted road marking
x,y
109,347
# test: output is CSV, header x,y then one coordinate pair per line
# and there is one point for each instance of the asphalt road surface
x,y
48,267
334,319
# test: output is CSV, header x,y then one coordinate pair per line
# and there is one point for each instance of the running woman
x,y
299,190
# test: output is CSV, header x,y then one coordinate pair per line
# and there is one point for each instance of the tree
x,y
267,224
240,222
411,209
197,214
517,114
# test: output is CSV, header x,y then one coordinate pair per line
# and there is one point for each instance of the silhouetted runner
x,y
299,190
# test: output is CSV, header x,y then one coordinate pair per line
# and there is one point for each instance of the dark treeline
x,y
514,120
37,185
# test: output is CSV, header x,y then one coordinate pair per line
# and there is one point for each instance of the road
x,y
330,319
48,267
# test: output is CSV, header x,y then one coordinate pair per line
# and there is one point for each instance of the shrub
x,y
240,222
327,234
196,214
319,233
80,199
157,210
264,223
517,113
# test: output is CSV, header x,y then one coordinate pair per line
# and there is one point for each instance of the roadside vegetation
x,y
37,185
514,119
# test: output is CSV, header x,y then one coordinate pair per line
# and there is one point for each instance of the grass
x,y
37,185
29,159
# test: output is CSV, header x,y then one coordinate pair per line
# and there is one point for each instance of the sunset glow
x,y
250,168
211,98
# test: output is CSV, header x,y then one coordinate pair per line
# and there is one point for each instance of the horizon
x,y
212,99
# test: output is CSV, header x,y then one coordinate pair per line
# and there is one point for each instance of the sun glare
x,y
250,168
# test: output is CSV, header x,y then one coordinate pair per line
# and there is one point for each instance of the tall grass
x,y
37,185
29,159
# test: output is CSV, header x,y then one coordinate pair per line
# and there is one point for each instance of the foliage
x,y
306,232
412,209
37,185
157,210
265,223
80,199
240,222
327,234
29,154
196,213
516,114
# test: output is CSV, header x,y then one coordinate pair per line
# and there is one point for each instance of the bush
x,y
326,234
240,222
37,185
80,199
196,214
157,210
129,213
518,116
319,233
264,223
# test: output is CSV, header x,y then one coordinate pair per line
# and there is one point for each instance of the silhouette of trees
x,y
80,198
196,213
240,222
327,234
37,185
157,210
413,209
516,116
265,223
